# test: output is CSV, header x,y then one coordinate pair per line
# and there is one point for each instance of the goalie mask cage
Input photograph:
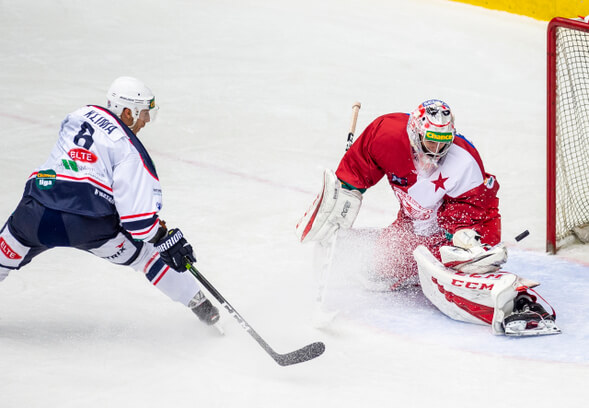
x,y
567,215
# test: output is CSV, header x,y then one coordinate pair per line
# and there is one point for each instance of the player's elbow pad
x,y
334,208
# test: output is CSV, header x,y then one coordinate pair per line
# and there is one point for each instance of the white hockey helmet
x,y
131,93
431,131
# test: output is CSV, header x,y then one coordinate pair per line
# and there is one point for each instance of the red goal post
x,y
567,215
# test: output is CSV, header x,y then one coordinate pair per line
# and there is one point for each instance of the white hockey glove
x,y
334,208
469,255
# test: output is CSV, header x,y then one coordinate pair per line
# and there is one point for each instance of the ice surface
x,y
255,101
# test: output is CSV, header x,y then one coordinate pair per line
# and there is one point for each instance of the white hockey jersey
x,y
98,167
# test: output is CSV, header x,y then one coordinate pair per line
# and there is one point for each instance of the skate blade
x,y
217,326
544,331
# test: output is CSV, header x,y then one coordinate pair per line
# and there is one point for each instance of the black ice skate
x,y
204,309
529,318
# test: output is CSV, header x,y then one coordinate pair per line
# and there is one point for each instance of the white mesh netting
x,y
572,132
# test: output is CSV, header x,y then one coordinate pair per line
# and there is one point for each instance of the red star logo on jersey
x,y
439,183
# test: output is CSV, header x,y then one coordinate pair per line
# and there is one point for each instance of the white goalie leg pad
x,y
481,298
334,208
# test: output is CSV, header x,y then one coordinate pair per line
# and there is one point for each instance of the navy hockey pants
x,y
40,228
34,228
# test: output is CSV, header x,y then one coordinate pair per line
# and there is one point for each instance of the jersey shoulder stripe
x,y
134,140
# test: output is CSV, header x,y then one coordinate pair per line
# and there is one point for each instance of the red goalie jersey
x,y
456,194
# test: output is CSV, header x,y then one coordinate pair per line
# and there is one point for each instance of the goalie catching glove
x,y
173,248
334,208
469,255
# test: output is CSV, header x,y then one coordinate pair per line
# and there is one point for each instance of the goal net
x,y
568,133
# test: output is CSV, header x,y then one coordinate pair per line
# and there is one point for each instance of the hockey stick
x,y
322,318
326,265
301,355
355,108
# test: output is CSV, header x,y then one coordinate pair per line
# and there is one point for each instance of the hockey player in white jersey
x,y
99,192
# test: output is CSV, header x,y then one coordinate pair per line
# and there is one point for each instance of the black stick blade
x,y
306,353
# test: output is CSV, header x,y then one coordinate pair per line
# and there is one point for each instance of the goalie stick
x,y
323,317
355,108
301,355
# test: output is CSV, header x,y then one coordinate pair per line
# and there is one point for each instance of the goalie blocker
x,y
333,208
